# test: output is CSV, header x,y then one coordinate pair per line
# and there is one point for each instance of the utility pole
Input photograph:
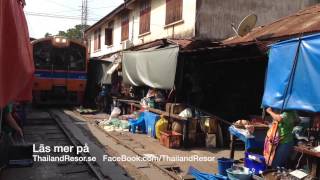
x,y
84,16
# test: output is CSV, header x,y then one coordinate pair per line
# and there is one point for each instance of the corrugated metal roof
x,y
184,44
303,22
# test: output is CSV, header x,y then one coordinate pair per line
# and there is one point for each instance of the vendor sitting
x,y
286,121
153,98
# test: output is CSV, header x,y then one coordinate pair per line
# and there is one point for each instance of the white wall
x,y
157,27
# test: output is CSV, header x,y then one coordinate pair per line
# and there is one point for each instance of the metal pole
x,y
1,114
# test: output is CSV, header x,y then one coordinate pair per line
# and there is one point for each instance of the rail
x,y
74,142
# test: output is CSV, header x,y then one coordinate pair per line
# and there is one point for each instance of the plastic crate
x,y
170,139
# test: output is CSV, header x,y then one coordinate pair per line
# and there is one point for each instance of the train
x,y
60,70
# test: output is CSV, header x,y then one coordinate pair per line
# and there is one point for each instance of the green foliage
x,y
73,33
47,35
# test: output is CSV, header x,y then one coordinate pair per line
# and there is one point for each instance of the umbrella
x,y
16,63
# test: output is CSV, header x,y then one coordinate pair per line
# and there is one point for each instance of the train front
x,y
60,75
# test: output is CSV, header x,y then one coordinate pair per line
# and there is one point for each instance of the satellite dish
x,y
246,25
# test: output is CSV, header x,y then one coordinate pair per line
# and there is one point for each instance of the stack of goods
x,y
86,110
174,108
173,138
114,123
244,124
169,139
209,126
250,125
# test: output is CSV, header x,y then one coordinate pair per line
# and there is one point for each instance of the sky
x,y
54,15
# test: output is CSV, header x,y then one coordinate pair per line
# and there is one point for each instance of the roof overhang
x,y
127,5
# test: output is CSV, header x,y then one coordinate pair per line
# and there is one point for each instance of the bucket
x,y
223,165
255,162
239,174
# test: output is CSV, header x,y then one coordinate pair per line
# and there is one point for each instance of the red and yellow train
x,y
61,71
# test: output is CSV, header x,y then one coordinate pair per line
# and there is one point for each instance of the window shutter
x,y
108,36
125,27
145,8
95,47
173,10
99,39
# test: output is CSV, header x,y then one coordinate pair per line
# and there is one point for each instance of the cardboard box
x,y
211,140
174,108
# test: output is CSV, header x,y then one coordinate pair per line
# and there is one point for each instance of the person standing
x,y
10,123
286,121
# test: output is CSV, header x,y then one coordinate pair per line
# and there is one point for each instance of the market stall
x,y
291,90
292,85
190,125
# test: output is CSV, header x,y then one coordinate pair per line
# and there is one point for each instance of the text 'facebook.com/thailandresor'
x,y
122,158
148,157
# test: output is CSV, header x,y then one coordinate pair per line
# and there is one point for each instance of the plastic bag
x,y
115,113
204,176
161,125
187,113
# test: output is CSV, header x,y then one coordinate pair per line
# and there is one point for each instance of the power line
x,y
57,16
72,8
62,5
102,7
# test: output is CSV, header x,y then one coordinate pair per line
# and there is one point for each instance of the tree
x,y
73,33
47,35
62,33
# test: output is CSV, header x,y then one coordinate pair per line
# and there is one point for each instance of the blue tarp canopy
x,y
293,75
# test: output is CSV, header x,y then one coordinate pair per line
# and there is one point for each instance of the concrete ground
x,y
143,144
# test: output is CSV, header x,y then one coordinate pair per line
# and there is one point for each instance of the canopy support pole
x,y
1,114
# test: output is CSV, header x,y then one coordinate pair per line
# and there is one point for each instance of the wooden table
x,y
313,157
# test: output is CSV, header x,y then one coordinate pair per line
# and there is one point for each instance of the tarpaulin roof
x,y
108,70
111,58
293,75
151,67
16,64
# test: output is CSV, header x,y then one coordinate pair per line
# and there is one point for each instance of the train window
x,y
41,53
48,57
59,58
77,57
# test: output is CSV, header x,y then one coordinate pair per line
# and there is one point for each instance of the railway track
x,y
42,128
56,127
